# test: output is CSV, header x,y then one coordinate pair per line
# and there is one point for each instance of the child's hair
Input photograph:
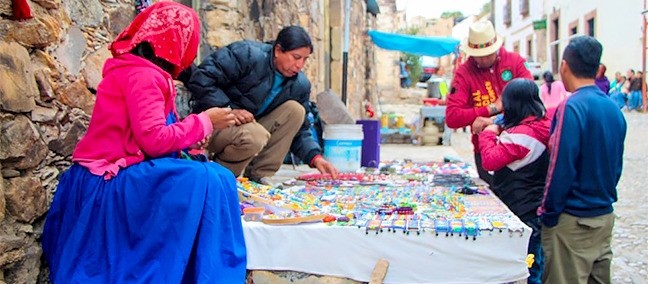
x,y
145,50
521,99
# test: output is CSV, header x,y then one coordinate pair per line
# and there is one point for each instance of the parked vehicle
x,y
429,65
534,68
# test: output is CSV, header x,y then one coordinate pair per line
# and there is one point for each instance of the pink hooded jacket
x,y
128,122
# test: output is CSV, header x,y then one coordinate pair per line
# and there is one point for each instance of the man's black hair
x,y
293,37
583,55
521,99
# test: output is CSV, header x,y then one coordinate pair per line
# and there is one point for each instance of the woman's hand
x,y
221,118
200,144
324,167
242,116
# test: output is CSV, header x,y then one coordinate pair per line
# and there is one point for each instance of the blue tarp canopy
x,y
421,45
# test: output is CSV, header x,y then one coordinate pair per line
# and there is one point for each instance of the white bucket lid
x,y
343,132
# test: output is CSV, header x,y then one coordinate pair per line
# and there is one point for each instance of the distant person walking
x,y
552,93
587,140
404,74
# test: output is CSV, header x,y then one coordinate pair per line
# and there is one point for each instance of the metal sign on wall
x,y
540,25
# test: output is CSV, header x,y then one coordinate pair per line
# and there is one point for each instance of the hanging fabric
x,y
21,10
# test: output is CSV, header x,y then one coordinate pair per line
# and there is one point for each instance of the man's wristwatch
x,y
492,109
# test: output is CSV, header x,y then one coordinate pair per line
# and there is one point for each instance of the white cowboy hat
x,y
482,39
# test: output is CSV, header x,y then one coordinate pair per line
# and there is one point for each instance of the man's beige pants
x,y
259,146
578,250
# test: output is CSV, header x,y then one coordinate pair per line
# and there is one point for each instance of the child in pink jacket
x,y
518,155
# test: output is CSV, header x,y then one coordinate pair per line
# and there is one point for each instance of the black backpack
x,y
317,130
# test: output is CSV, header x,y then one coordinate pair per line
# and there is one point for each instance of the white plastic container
x,y
343,146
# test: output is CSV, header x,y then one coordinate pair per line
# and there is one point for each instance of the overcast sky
x,y
434,8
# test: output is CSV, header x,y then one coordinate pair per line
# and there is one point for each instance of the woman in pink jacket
x,y
131,209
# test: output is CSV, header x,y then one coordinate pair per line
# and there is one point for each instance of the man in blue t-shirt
x,y
586,147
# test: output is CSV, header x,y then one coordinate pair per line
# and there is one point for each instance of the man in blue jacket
x,y
269,95
587,137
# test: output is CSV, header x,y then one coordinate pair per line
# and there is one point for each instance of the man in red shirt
x,y
477,85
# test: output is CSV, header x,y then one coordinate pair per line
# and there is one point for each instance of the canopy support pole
x,y
345,53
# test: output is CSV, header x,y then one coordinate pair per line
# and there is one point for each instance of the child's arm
x,y
498,154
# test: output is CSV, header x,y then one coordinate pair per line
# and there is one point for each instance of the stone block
x,y
26,198
70,51
10,242
43,114
38,32
64,146
48,4
85,13
77,95
218,20
222,38
18,87
20,143
25,270
94,66
120,19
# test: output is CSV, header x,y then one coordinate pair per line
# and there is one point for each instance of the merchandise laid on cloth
x,y
433,222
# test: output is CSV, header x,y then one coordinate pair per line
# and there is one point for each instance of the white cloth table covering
x,y
348,252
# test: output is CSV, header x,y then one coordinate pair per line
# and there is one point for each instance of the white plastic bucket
x,y
343,146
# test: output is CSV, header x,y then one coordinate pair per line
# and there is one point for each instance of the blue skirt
x,y
165,220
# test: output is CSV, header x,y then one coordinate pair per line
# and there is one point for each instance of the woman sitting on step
x,y
131,209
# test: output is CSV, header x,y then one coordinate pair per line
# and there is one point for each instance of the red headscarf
x,y
172,29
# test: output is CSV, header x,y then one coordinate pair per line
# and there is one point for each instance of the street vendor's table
x,y
349,252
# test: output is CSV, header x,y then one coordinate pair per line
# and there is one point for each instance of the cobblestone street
x,y
630,264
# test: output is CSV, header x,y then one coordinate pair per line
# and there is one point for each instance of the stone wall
x,y
50,67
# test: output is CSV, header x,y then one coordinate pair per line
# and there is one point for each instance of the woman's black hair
x,y
145,50
521,99
549,79
293,37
